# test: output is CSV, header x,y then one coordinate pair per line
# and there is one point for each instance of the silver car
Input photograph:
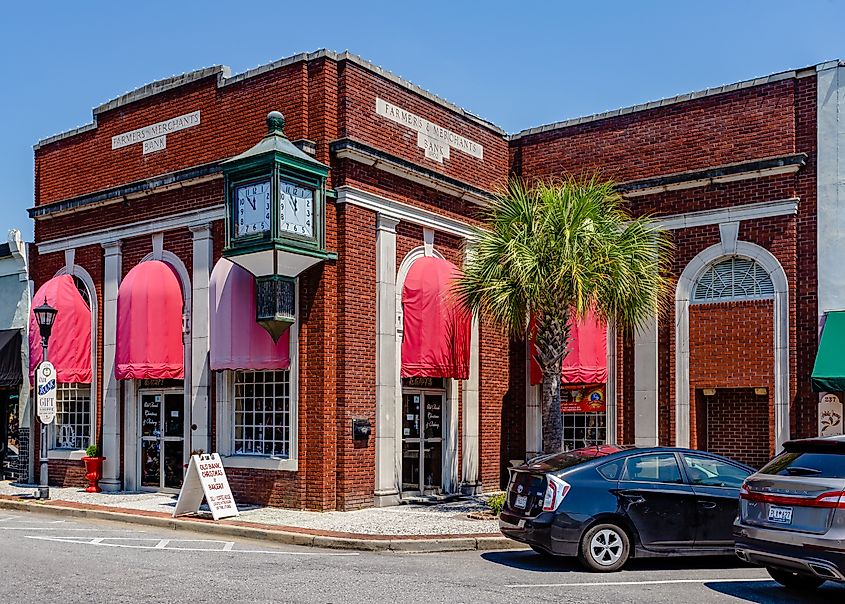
x,y
792,514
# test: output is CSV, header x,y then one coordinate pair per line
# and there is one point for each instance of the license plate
x,y
521,501
780,515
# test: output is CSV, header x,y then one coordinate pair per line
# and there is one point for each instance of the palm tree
x,y
556,251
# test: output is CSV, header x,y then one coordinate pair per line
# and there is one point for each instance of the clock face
x,y
296,209
253,208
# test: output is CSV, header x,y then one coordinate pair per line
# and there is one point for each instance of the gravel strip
x,y
449,518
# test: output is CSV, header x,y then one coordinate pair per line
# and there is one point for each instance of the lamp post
x,y
45,315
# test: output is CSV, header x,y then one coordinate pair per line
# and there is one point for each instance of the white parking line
x,y
227,546
5,518
58,528
657,582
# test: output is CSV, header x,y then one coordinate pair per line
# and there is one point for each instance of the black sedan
x,y
605,504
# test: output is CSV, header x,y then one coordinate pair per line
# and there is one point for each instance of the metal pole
x,y
43,488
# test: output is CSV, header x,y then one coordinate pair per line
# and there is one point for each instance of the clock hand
x,y
293,202
251,201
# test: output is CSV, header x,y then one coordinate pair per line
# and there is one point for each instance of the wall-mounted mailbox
x,y
361,429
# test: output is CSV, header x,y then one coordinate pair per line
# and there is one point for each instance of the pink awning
x,y
149,324
236,340
436,328
586,362
70,340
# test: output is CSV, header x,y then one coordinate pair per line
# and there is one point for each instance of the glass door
x,y
422,441
162,439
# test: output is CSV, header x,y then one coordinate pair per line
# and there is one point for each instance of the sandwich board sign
x,y
45,383
206,478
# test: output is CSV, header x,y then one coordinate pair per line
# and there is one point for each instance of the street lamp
x,y
45,315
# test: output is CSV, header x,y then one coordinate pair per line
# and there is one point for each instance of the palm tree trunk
x,y
552,421
552,341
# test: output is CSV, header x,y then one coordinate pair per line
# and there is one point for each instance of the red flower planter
x,y
93,472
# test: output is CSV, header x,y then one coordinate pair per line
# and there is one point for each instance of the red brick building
x,y
741,175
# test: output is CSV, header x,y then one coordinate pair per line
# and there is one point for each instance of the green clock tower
x,y
275,220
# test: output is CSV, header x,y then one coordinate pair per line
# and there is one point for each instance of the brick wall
x,y
756,122
735,423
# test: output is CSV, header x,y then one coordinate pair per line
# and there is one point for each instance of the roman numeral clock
x,y
275,220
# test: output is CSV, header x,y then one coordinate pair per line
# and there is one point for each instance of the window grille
x,y
73,416
262,413
583,430
734,279
82,289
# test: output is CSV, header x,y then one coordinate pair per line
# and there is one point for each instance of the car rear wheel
x,y
604,548
794,581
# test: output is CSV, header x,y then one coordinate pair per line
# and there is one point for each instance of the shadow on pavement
x,y
772,593
531,561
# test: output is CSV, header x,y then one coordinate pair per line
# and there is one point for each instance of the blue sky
x,y
517,64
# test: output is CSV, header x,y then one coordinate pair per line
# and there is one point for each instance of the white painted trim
x,y
683,295
611,387
111,435
388,473
533,409
66,454
749,211
143,227
404,212
84,276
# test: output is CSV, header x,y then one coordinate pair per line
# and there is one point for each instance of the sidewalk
x,y
437,527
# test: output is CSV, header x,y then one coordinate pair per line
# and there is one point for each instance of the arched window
x,y
733,279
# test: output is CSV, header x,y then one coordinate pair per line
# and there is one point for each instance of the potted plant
x,y
93,468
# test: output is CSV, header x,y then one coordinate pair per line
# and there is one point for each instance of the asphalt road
x,y
55,559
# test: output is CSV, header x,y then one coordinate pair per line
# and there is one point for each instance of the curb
x,y
305,537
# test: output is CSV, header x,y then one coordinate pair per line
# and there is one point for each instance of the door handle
x,y
708,505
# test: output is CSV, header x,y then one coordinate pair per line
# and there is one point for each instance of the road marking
x,y
657,582
161,544
227,545
62,529
5,518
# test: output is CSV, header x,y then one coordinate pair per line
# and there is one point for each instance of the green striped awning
x,y
829,370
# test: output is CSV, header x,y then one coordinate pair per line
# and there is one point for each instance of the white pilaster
x,y
645,384
533,408
111,480
610,395
200,378
471,454
388,448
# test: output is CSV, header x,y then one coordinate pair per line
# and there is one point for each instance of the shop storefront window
x,y
73,416
262,413
584,416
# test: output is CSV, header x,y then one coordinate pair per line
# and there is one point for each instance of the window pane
x,y
661,467
262,413
709,472
72,429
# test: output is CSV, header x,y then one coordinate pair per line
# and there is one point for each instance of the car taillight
x,y
831,499
556,490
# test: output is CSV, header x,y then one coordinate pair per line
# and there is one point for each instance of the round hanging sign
x,y
45,384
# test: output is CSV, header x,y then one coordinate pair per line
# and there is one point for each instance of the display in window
x,y
584,415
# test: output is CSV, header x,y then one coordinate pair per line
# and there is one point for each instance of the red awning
x,y
586,362
436,328
149,324
70,339
236,340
